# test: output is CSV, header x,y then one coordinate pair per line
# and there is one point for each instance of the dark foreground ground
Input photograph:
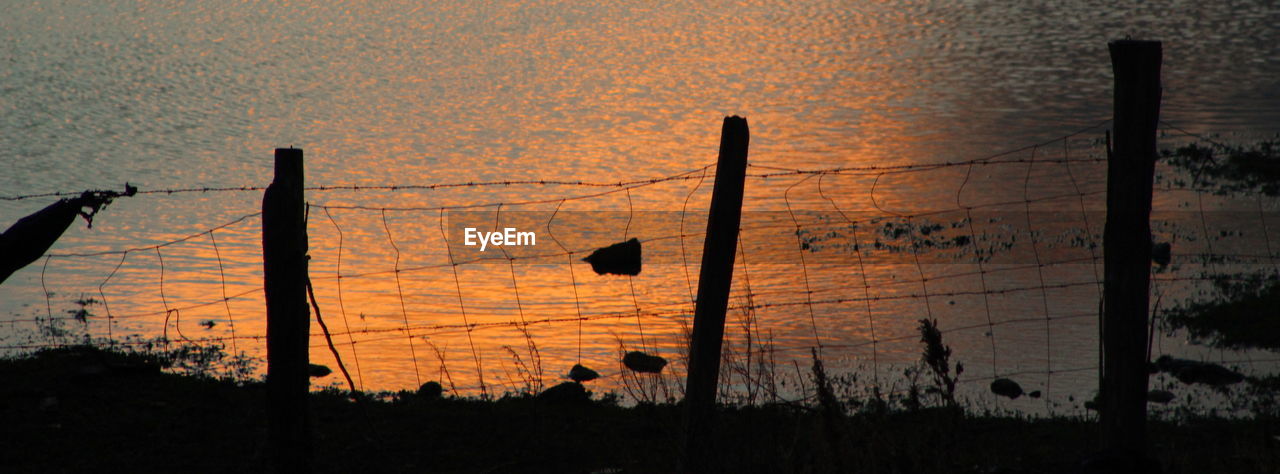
x,y
85,410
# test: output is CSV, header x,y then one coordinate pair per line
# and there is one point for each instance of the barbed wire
x,y
388,187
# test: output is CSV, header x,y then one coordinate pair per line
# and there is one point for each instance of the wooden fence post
x,y
1127,247
284,258
714,281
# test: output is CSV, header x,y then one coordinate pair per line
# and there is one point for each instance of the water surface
x,y
176,94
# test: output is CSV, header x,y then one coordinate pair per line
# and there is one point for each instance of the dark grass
x,y
83,409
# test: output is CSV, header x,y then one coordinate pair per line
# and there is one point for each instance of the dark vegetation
x,y
90,409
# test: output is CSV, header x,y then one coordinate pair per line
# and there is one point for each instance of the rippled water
x,y
194,94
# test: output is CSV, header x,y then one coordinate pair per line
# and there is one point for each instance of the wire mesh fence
x,y
1003,252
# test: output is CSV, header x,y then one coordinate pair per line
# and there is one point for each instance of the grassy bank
x,y
84,409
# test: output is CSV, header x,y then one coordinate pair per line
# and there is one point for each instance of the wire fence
x,y
1003,251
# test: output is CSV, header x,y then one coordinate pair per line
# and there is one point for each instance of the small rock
x,y
619,259
641,362
1034,394
1006,388
582,374
1169,364
1160,396
1213,375
431,390
1162,253
568,392
1193,372
317,370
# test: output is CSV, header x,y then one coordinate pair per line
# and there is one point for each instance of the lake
x,y
175,95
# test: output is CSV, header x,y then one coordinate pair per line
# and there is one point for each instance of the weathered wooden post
x,y
1127,247
284,257
714,282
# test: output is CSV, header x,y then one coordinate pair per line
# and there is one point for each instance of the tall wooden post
x,y
714,282
284,257
1127,246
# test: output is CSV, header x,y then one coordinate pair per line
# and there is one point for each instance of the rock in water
x,y
1213,375
1192,372
1006,388
431,390
641,362
1171,365
618,259
1160,396
317,370
568,392
1162,253
582,374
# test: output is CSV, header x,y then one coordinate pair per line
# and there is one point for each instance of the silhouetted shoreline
x,y
81,409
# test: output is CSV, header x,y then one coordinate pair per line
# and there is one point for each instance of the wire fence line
x,y
789,301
